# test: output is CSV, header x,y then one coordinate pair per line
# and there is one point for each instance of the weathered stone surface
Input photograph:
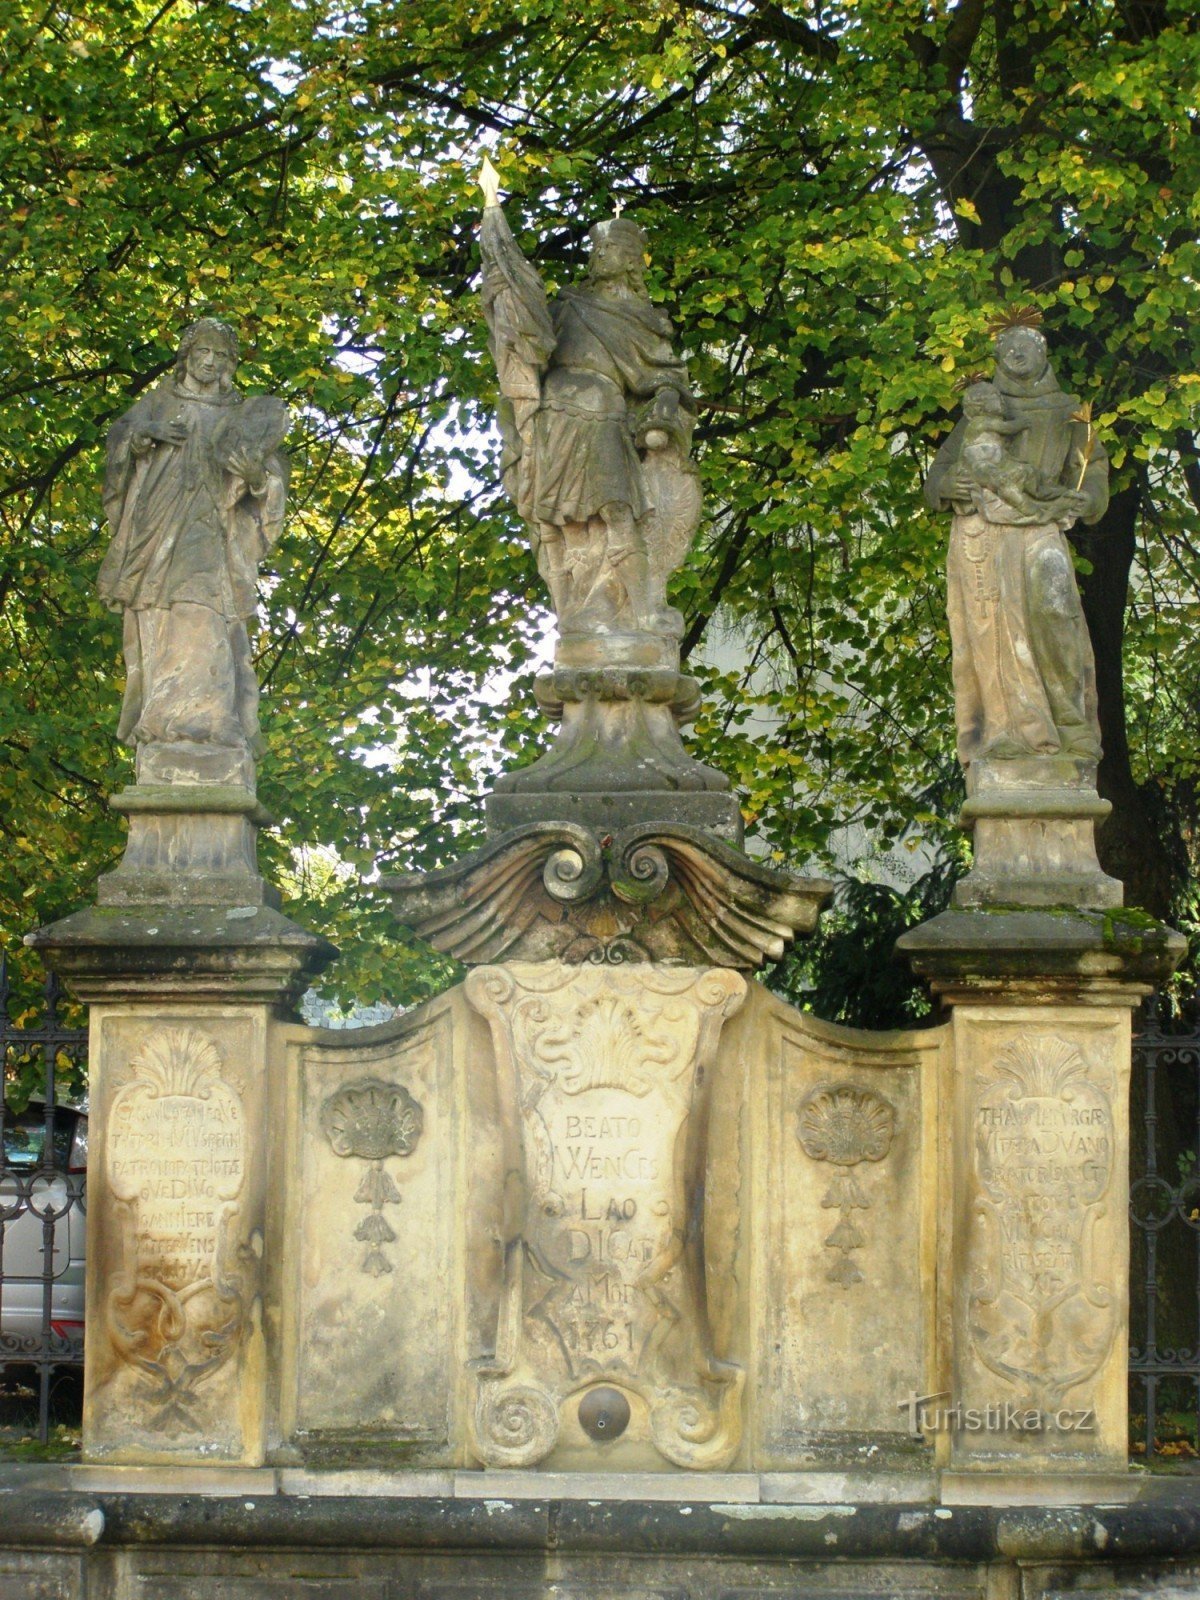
x,y
187,951
557,892
618,757
1033,823
603,1086
1039,1261
597,416
1033,1249
822,1209
597,421
1033,953
1021,466
614,810
373,1286
194,492
189,844
276,1547
177,1182
41,1575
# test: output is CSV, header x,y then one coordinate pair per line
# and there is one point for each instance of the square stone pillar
x,y
1034,1244
186,966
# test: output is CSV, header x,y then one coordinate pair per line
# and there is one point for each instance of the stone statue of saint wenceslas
x,y
1021,466
596,417
194,491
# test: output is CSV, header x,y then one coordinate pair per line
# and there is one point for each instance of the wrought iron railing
x,y
43,1200
1164,1213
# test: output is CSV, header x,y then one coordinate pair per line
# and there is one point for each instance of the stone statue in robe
x,y
596,417
194,490
1020,468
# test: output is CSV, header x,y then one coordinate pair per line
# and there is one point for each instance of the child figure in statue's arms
x,y
1002,487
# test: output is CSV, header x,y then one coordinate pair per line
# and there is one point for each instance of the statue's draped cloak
x,y
584,456
188,534
185,527
1024,673
567,373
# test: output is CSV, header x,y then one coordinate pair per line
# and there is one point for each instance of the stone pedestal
x,y
185,965
617,760
1034,1247
193,844
1033,822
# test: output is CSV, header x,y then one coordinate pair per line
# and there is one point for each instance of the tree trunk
x,y
1140,842
1137,843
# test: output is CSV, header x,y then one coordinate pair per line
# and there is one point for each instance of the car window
x,y
25,1138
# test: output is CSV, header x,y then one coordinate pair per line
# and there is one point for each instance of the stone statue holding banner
x,y
597,419
1019,469
194,491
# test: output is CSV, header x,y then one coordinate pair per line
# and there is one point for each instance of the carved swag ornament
x,y
845,1125
373,1120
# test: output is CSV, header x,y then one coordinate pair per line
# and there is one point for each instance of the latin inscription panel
x,y
175,1241
1039,1261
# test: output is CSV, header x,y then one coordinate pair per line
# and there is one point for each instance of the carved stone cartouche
x,y
176,1157
1042,1318
604,1076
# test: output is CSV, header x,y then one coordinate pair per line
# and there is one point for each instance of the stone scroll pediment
x,y
561,892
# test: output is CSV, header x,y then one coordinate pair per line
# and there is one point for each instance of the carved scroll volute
x,y
603,1080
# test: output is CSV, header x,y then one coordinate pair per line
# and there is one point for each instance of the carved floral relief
x,y
845,1125
373,1120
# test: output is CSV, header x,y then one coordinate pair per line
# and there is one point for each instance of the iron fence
x,y
1164,1212
43,1201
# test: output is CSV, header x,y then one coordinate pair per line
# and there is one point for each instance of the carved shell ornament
x,y
373,1120
846,1125
843,1124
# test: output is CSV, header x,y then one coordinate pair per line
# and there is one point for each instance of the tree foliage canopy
x,y
839,197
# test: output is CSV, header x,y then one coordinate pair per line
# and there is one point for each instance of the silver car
x,y
42,1231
